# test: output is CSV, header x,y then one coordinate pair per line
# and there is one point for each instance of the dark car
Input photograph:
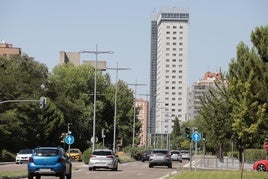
x,y
49,161
146,155
160,157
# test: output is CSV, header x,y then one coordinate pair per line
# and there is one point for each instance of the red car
x,y
261,165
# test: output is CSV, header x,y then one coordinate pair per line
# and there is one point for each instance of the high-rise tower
x,y
168,83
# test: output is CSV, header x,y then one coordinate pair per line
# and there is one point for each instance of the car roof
x,y
60,148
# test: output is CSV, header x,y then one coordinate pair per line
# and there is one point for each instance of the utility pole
x,y
134,108
96,52
115,101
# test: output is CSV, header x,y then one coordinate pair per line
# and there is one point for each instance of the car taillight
x,y
92,156
109,156
60,160
30,160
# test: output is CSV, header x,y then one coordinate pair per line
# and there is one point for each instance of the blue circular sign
x,y
196,136
69,139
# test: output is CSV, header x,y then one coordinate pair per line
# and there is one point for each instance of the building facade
x,y
142,105
8,49
199,88
169,56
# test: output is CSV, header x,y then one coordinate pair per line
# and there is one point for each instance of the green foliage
x,y
86,155
7,156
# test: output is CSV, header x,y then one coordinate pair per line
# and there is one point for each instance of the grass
x,y
13,173
215,174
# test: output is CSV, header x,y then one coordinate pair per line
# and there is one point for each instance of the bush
x,y
7,156
86,155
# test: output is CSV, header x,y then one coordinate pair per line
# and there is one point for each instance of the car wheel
x,y
151,166
38,177
69,176
30,176
170,165
62,175
261,168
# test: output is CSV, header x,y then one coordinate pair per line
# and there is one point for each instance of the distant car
x,y
103,158
261,165
185,154
75,154
24,155
160,157
146,155
176,155
49,161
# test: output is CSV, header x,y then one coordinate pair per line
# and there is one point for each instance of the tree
x,y
247,86
22,122
175,135
214,119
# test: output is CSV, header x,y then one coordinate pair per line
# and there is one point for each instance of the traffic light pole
x,y
42,101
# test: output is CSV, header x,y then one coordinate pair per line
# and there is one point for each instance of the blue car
x,y
49,161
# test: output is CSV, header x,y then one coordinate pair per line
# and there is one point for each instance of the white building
x,y
169,56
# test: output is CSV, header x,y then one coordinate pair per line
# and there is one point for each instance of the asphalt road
x,y
129,170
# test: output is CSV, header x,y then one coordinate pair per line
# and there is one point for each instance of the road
x,y
129,170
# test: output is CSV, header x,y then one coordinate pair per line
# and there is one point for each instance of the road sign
x,y
69,139
92,139
196,136
265,145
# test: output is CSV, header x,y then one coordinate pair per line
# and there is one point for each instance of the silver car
x,y
160,157
185,154
103,158
176,155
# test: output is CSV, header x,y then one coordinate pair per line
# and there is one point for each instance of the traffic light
x,y
102,133
187,132
69,132
42,102
204,137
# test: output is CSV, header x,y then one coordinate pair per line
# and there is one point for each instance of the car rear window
x,y
102,153
175,152
160,152
46,152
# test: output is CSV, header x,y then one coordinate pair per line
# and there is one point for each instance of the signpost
x,y
69,139
196,136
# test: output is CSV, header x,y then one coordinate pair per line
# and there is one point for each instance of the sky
x,y
44,28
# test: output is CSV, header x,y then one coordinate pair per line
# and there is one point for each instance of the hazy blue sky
x,y
44,28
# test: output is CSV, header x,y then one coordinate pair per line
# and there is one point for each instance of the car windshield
x,y
74,151
46,152
102,153
26,151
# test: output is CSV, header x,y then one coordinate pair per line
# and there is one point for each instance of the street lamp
x,y
134,117
96,52
115,101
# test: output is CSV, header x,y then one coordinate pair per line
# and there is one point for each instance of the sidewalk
x,y
211,162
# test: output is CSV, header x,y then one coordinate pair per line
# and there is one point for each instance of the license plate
x,y
44,170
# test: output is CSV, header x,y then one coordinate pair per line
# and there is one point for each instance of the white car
x,y
103,158
24,155
185,154
176,155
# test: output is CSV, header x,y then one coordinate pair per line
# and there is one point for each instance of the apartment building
x,y
8,49
199,88
168,73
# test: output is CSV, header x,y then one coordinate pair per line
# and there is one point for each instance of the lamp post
x,y
134,117
96,52
115,101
